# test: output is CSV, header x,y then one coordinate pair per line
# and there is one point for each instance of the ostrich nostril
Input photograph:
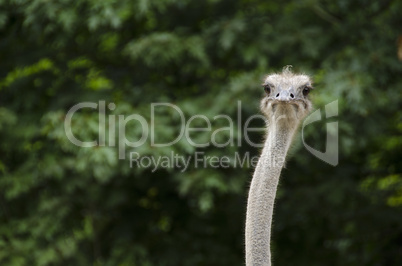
x,y
277,95
292,96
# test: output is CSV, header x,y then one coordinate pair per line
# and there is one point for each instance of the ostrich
x,y
285,104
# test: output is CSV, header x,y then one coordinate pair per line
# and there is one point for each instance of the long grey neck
x,y
262,194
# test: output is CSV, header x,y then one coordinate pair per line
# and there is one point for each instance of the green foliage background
x,y
65,205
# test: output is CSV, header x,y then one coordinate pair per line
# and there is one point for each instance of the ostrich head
x,y
286,97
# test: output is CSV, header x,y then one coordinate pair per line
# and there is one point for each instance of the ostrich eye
x,y
267,89
306,91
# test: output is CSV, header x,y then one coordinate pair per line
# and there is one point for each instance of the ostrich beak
x,y
285,95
